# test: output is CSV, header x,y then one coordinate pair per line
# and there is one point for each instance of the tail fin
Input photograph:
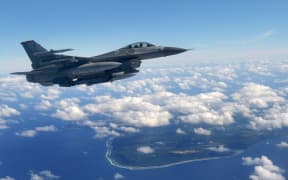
x,y
32,48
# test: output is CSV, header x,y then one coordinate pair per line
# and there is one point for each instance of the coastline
x,y
113,163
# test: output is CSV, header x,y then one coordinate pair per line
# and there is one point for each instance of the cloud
x,y
101,128
153,110
104,129
50,128
118,176
257,38
23,106
221,72
257,96
69,110
43,175
20,86
129,129
202,131
3,124
102,132
264,168
27,95
33,132
263,105
283,145
7,178
260,69
180,131
267,34
208,108
155,100
52,93
209,117
148,85
6,111
132,110
274,118
145,150
44,105
197,81
220,148
8,96
27,133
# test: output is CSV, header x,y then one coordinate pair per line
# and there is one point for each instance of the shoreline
x,y
113,163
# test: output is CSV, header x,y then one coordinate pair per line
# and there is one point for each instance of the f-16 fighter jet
x,y
50,67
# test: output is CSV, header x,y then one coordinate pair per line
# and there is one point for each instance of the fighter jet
x,y
50,67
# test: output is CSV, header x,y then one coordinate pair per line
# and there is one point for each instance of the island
x,y
162,147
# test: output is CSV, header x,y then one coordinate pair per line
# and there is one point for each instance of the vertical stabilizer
x,y
32,48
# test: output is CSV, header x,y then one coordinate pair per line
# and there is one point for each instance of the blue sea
x,y
72,153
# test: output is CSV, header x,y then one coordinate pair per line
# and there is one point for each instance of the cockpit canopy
x,y
138,45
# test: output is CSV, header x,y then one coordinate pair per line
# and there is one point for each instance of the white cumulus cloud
x,y
208,108
273,118
69,110
283,144
6,111
132,110
43,175
52,93
118,176
44,105
27,133
7,178
264,168
145,150
220,148
180,131
49,128
257,96
202,131
33,132
3,124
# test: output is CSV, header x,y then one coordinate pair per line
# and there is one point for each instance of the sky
x,y
217,30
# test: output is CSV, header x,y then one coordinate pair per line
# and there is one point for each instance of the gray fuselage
x,y
50,68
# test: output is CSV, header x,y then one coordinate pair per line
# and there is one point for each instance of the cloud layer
x,y
264,168
197,96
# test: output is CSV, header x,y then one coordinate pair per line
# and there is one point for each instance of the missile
x,y
93,68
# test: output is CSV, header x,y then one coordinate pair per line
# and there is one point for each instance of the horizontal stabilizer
x,y
20,73
52,51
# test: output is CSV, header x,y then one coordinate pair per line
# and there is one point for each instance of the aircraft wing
x,y
48,69
20,73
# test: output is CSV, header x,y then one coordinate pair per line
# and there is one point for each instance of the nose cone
x,y
173,50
